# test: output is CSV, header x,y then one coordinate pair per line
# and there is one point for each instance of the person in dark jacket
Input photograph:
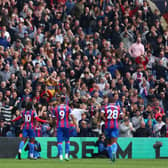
x,y
143,131
101,143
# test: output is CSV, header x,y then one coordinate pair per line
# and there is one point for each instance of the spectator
x,y
37,149
46,130
101,143
126,129
150,126
6,74
3,41
143,131
3,128
84,129
6,111
158,126
83,118
164,129
137,120
136,49
142,60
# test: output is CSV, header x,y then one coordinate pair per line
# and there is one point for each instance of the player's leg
x,y
31,148
114,148
31,135
109,150
22,142
59,143
109,146
67,143
114,137
36,150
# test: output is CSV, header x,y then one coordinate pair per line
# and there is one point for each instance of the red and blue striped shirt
x,y
38,131
29,117
62,113
111,113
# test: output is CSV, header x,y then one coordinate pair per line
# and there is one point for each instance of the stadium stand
x,y
84,50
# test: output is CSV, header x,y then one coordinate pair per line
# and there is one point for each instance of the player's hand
x,y
47,121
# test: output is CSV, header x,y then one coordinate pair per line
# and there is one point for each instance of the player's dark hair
x,y
28,106
111,99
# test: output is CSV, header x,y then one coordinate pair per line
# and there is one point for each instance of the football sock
x,y
60,152
66,156
114,147
31,149
67,147
109,150
21,145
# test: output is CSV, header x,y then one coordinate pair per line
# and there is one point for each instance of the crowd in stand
x,y
85,50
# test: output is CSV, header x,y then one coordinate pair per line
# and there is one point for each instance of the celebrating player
x,y
110,114
62,113
28,115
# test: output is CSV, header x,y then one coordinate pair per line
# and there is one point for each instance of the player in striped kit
x,y
28,115
110,114
62,113
38,129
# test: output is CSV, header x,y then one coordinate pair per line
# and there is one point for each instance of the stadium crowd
x,y
84,50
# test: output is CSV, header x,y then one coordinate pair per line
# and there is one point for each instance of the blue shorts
x,y
28,133
63,134
111,132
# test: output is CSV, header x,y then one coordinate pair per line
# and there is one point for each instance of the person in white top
x,y
136,49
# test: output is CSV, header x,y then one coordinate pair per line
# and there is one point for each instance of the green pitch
x,y
83,163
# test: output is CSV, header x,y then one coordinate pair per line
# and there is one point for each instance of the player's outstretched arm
x,y
40,120
16,119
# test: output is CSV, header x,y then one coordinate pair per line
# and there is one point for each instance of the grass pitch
x,y
84,163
